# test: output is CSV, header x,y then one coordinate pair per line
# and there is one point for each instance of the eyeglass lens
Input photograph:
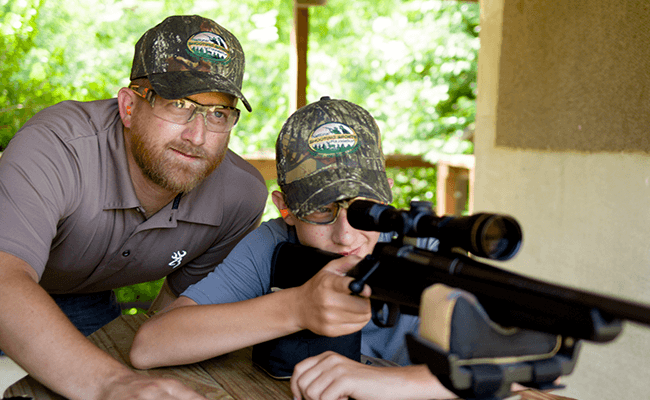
x,y
217,118
326,214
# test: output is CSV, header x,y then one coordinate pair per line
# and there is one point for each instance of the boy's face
x,y
339,237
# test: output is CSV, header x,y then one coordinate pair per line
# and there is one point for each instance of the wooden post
x,y
454,185
298,59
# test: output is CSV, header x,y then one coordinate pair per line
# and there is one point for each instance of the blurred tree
x,y
17,33
412,64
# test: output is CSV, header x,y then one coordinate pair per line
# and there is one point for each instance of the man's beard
x,y
170,173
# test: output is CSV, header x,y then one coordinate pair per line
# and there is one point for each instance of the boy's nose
x,y
343,232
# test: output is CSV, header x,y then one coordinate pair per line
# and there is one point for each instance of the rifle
x,y
553,316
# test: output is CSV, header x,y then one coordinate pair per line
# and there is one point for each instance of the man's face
x,y
173,156
338,237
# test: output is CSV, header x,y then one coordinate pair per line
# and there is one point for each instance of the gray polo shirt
x,y
68,207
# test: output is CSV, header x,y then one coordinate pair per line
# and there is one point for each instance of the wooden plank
x,y
229,369
29,387
115,338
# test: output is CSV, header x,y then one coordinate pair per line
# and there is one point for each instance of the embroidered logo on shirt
x,y
177,258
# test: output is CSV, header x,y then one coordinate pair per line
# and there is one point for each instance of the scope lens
x,y
493,240
500,237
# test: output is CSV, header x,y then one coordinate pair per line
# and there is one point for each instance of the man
x,y
328,155
99,195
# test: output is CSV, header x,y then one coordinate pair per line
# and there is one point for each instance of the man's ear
x,y
391,182
125,103
278,200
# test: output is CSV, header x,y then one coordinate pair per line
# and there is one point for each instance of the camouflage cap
x,y
327,151
189,54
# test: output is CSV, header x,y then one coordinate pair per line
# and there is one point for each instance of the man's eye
x,y
219,114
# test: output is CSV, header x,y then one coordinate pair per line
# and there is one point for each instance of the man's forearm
x,y
39,337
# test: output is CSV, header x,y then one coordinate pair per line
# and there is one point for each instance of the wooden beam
x,y
298,59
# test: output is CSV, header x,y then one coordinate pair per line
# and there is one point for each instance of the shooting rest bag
x,y
455,321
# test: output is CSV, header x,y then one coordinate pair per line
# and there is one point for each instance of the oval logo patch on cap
x,y
210,46
333,138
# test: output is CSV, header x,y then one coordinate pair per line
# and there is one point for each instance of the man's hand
x,y
141,387
330,376
326,305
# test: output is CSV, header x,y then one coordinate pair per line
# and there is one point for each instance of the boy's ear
x,y
278,200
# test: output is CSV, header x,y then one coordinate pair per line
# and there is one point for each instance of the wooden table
x,y
229,377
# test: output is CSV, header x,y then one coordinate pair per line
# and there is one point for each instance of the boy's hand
x,y
330,376
326,305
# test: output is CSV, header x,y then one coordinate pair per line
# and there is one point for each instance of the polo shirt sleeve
x,y
38,181
246,272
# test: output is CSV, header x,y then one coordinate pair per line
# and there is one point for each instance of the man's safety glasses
x,y
218,118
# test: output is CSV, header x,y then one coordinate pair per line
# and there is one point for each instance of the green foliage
x,y
140,293
412,184
17,33
411,63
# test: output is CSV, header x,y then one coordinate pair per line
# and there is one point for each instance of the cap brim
x,y
336,185
179,84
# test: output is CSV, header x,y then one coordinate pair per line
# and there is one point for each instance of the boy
x,y
328,154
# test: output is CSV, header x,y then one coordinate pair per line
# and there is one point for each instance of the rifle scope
x,y
493,236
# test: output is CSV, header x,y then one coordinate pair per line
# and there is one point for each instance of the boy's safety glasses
x,y
327,215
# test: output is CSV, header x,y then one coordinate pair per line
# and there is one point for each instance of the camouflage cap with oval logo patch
x,y
189,54
327,151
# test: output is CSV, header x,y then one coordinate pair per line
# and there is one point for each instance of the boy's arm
x,y
333,376
185,333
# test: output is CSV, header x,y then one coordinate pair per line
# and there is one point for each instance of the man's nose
x,y
196,130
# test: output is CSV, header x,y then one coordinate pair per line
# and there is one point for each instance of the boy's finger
x,y
341,266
